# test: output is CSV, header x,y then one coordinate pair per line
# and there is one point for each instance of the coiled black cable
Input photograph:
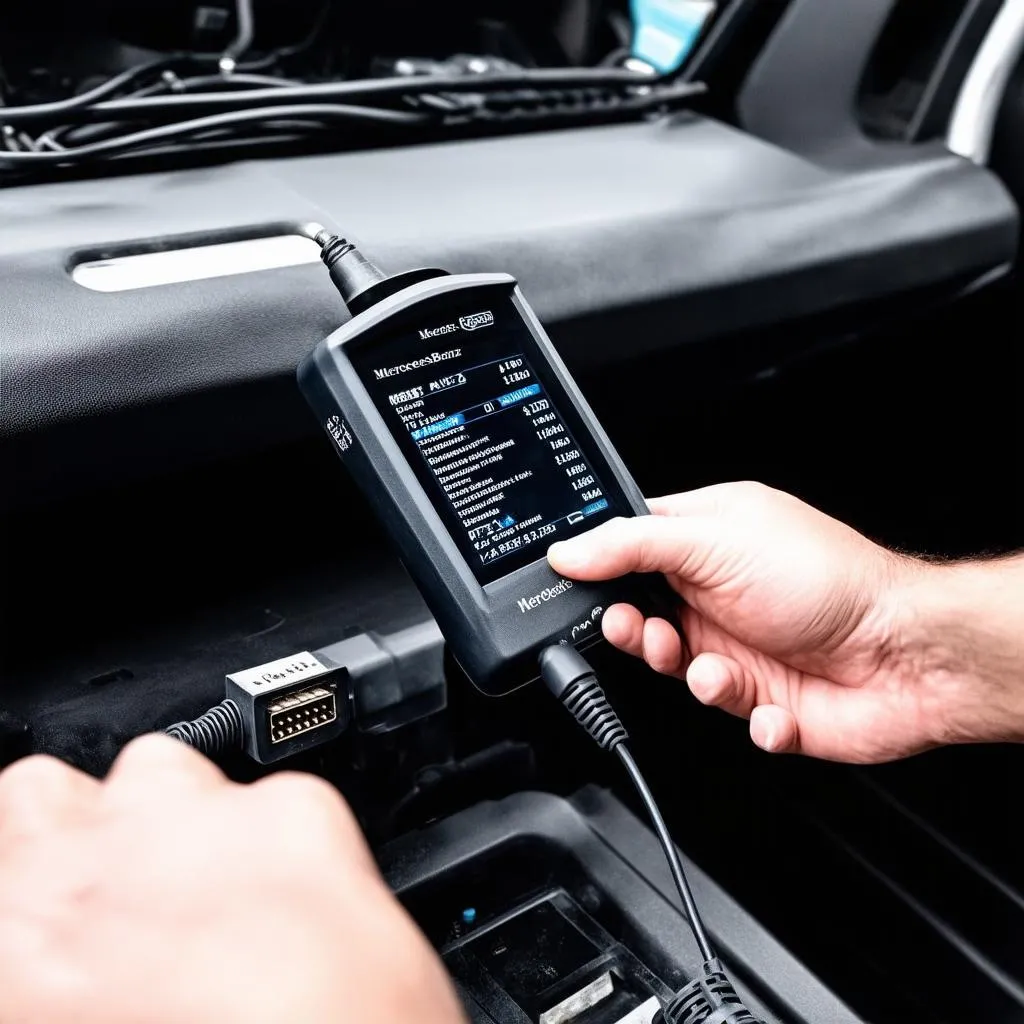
x,y
709,999
216,731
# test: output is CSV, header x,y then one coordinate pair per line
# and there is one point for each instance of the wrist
x,y
954,640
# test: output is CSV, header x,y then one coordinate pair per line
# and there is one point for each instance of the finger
x,y
37,791
663,648
313,795
774,729
309,810
155,767
722,682
623,627
645,544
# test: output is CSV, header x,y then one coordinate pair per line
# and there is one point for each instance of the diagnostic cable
x,y
711,997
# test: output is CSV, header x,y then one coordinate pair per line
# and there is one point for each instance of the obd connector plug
x,y
274,710
378,683
289,705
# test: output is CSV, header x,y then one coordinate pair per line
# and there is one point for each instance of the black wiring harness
x,y
194,102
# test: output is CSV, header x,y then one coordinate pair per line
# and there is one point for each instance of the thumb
x,y
674,545
774,729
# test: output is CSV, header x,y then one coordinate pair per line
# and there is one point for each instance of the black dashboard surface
x,y
717,229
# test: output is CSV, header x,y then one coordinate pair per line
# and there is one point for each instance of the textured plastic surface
x,y
621,857
718,230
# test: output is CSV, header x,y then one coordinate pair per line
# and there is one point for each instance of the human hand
x,y
792,620
168,894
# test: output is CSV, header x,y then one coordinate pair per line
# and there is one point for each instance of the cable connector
x,y
377,682
710,999
568,676
289,705
360,282
352,273
273,711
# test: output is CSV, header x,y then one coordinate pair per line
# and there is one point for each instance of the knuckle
x,y
614,524
307,793
651,543
155,748
753,490
642,551
33,771
623,532
309,803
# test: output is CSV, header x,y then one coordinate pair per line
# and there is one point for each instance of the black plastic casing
x,y
255,689
495,642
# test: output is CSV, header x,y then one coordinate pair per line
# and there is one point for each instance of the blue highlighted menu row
x,y
460,419
530,391
440,427
595,506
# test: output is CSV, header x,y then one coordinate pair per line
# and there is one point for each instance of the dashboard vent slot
x,y
918,65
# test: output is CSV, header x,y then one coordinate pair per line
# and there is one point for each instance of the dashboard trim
x,y
195,263
972,124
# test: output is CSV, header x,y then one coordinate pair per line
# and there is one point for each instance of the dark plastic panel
x,y
721,231
622,858
801,92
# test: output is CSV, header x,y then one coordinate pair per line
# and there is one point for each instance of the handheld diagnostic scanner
x,y
456,416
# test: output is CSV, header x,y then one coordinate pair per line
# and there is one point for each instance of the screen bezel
x,y
545,365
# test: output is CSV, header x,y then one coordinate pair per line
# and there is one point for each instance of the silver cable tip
x,y
314,231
